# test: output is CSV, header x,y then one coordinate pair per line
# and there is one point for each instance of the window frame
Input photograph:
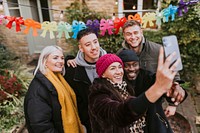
x,y
121,11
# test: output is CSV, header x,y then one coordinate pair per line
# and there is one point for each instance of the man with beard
x,y
81,76
141,80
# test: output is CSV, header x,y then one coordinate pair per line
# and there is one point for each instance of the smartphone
x,y
170,45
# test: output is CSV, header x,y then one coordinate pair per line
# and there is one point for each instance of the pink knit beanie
x,y
104,62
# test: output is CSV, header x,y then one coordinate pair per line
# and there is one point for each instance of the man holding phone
x,y
148,52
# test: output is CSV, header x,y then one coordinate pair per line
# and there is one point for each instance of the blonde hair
x,y
43,58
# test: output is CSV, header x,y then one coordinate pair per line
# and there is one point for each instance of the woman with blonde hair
x,y
50,103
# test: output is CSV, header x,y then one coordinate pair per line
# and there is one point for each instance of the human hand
x,y
176,93
71,63
84,129
164,77
170,111
165,71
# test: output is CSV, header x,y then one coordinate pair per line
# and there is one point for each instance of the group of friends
x,y
100,92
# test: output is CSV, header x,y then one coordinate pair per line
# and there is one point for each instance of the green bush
x,y
5,57
14,81
187,30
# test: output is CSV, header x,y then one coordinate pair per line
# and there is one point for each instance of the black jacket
x,y
77,78
156,119
42,108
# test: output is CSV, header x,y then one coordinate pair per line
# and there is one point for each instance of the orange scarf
x,y
67,99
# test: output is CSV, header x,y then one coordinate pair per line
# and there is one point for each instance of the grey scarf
x,y
90,68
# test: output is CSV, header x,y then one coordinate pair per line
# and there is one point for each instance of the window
x,y
132,7
41,13
35,9
13,8
150,4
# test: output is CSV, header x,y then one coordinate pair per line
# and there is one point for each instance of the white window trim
x,y
121,11
7,13
6,8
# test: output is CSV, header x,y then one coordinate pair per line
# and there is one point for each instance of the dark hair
x,y
130,23
84,32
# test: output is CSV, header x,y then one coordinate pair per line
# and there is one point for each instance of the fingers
x,y
177,93
168,61
170,110
169,92
160,58
167,113
166,64
175,64
179,98
71,63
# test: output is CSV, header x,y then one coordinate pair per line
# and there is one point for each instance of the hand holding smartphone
x,y
170,45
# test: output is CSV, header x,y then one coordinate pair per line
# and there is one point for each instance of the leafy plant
x,y
11,114
5,56
14,81
187,30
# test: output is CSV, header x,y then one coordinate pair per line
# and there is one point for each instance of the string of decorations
x,y
109,26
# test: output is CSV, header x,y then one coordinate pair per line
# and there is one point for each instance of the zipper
x,y
162,119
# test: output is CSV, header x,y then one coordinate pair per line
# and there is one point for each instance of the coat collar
x,y
44,81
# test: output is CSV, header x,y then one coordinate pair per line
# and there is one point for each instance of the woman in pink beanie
x,y
104,62
112,105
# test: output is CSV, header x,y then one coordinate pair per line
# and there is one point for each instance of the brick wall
x,y
14,41
17,42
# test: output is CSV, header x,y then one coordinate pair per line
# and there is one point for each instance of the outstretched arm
x,y
164,77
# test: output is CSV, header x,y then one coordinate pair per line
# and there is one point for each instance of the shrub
x,y
5,57
14,81
187,30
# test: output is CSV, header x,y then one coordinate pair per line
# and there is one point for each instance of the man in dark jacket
x,y
81,76
142,80
146,50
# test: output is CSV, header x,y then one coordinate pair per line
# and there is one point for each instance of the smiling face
x,y
55,61
131,69
89,45
133,36
114,72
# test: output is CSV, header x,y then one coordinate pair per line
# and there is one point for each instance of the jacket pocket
x,y
162,120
